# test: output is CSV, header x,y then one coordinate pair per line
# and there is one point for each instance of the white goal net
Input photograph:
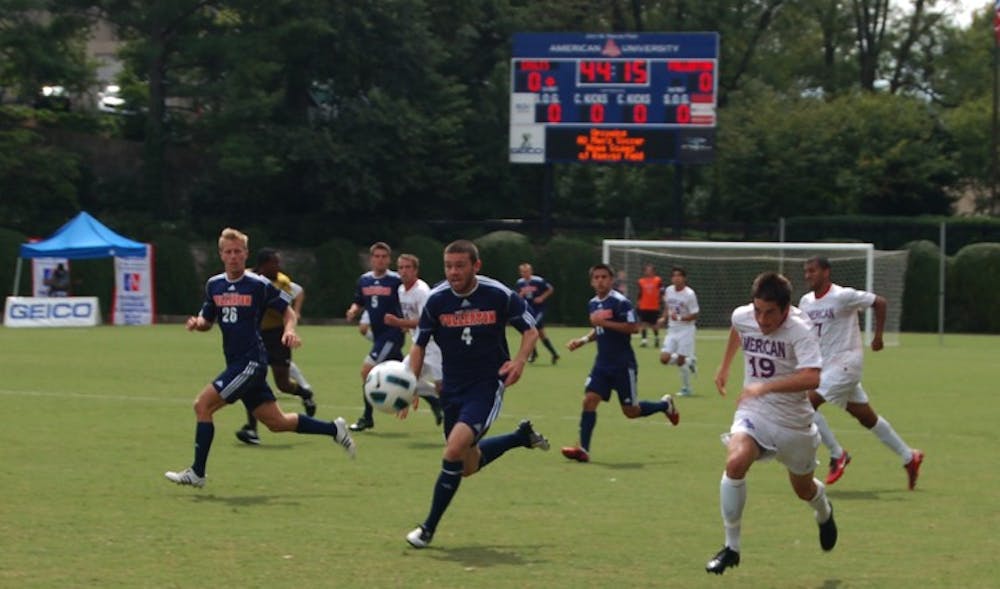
x,y
721,272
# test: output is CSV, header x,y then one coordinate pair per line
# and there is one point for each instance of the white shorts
x,y
679,341
840,384
795,448
431,372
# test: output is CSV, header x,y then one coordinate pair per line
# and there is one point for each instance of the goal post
x,y
721,272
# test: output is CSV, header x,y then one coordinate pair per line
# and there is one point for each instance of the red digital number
x,y
635,72
640,113
592,69
597,113
554,112
706,82
534,81
683,113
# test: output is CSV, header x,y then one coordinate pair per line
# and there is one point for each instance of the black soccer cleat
x,y
361,425
828,532
248,436
533,438
307,401
727,557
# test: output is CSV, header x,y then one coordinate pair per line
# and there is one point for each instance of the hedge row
x,y
330,272
972,279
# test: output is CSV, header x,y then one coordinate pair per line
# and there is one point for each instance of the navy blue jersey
x,y
614,349
238,306
530,288
380,295
471,330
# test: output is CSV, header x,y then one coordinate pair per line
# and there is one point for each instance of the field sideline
x,y
93,417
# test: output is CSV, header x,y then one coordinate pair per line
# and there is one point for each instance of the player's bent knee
x,y
632,412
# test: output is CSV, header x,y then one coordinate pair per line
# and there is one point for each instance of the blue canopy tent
x,y
82,238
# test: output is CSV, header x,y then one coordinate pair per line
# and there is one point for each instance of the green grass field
x,y
93,417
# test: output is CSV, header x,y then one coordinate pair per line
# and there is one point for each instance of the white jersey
x,y
835,320
680,302
788,349
412,301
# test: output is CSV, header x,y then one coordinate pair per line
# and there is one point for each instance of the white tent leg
x,y
17,277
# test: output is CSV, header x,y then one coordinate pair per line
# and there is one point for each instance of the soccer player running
x,y
650,290
833,310
279,356
535,290
467,316
413,293
680,311
773,416
238,299
377,293
614,321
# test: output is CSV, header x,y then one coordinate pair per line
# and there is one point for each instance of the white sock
x,y
826,435
820,504
685,376
732,498
672,360
295,373
890,438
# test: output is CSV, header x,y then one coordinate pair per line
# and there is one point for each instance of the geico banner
x,y
51,312
133,303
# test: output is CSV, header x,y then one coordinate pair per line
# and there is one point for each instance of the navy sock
x,y
444,490
251,421
367,416
493,448
311,425
548,345
651,407
203,433
588,419
432,400
643,333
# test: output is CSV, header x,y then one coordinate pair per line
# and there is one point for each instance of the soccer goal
x,y
721,272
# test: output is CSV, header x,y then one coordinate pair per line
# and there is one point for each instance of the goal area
x,y
721,272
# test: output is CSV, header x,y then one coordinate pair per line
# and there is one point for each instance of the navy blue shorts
x,y
387,347
476,406
244,381
539,319
623,380
278,354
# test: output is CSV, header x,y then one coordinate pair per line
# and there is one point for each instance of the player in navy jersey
x,y
377,293
535,290
238,299
467,316
614,321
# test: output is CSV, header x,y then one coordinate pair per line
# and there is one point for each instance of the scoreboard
x,y
613,97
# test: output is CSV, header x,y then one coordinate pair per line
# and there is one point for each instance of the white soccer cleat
x,y
343,437
185,477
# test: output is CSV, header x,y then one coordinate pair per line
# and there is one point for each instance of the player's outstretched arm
x,y
289,338
573,344
197,323
513,368
722,375
880,306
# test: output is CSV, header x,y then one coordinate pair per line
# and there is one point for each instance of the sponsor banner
x,y
133,302
522,108
41,270
51,312
527,144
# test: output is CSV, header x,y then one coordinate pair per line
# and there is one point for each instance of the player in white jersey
x,y
773,416
680,311
413,293
833,310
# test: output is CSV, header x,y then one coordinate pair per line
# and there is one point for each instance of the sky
x,y
964,9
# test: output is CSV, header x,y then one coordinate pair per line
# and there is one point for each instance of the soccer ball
x,y
390,386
